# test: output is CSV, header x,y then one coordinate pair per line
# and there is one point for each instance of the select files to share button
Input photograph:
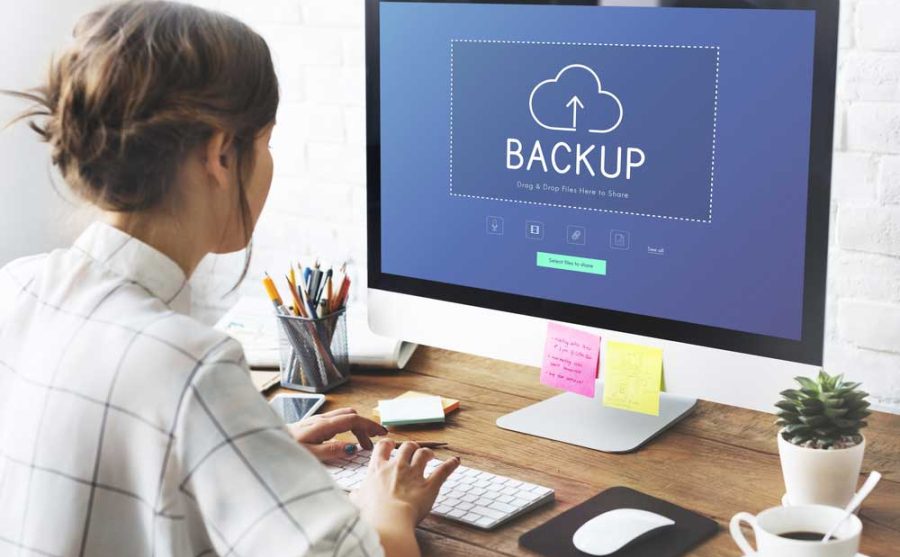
x,y
571,263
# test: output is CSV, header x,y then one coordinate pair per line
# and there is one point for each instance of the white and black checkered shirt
x,y
128,428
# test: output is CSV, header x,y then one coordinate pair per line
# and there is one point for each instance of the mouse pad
x,y
554,537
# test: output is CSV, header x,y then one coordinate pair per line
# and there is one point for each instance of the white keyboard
x,y
470,496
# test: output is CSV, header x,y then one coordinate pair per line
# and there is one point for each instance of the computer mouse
x,y
611,531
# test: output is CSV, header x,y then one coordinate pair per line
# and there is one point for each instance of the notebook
x,y
554,537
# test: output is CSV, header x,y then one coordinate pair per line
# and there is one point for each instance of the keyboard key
x,y
442,509
519,502
488,512
465,506
503,507
456,513
472,517
485,522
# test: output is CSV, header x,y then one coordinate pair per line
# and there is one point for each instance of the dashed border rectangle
x,y
712,171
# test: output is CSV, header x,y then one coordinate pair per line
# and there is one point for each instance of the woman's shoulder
x,y
197,341
16,277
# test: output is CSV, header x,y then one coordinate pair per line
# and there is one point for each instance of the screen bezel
x,y
807,350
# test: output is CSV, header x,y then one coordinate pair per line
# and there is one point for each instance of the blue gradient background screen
x,y
716,215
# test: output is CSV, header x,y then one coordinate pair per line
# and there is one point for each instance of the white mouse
x,y
611,531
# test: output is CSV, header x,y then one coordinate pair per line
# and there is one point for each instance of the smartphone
x,y
294,407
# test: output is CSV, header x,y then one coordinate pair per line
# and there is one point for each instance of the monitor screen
x,y
652,162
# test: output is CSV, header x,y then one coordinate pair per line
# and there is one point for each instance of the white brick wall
x,y
317,206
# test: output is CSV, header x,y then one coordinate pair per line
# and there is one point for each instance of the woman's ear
x,y
219,158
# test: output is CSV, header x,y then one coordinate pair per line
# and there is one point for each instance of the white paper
x,y
420,409
252,323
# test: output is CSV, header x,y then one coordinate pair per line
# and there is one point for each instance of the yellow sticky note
x,y
632,377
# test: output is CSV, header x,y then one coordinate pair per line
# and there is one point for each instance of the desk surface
x,y
718,461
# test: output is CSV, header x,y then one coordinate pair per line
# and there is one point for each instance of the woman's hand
x,y
316,433
396,491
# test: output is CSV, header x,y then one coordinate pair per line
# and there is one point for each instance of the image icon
x,y
620,239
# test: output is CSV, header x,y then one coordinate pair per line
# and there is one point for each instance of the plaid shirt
x,y
128,428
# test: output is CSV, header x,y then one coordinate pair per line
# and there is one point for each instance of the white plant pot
x,y
819,476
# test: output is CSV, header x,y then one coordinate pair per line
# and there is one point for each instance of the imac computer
x,y
657,172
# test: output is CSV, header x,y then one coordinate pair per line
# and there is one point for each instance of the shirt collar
x,y
136,261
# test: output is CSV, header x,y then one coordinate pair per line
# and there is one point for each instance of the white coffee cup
x,y
771,523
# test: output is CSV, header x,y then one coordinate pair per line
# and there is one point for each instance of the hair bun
x,y
143,84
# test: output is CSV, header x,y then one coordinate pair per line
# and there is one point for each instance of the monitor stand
x,y
583,421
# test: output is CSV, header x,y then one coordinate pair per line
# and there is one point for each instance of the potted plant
x,y
820,443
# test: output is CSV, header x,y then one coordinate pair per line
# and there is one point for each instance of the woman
x,y
126,427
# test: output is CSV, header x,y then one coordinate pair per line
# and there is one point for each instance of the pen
x,y
307,303
424,444
322,286
306,273
314,285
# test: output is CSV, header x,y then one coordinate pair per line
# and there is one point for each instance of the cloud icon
x,y
573,100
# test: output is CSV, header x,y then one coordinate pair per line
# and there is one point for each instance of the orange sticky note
x,y
570,359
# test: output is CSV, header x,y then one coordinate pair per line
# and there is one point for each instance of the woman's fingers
x,y
381,453
332,450
327,427
338,412
440,474
406,451
420,459
362,437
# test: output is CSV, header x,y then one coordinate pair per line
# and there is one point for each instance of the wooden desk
x,y
718,461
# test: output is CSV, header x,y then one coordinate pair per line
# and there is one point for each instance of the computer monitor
x,y
654,171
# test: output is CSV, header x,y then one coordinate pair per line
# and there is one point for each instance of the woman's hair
x,y
143,84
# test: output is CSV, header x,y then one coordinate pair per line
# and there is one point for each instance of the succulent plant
x,y
826,413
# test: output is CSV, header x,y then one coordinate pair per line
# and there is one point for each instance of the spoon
x,y
854,503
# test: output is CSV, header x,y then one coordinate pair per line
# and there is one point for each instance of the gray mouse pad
x,y
554,537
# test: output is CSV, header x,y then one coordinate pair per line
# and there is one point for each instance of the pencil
x,y
272,291
298,306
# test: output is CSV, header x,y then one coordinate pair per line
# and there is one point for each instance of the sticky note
x,y
632,377
411,410
449,404
570,359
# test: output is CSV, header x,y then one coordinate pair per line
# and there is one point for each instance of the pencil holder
x,y
314,356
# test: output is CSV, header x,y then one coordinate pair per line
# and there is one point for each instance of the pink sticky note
x,y
570,359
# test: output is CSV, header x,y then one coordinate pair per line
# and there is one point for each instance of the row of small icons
x,y
575,234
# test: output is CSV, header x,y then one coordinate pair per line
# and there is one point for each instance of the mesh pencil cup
x,y
314,356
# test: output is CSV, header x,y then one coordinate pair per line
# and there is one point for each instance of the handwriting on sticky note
x,y
570,359
632,377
